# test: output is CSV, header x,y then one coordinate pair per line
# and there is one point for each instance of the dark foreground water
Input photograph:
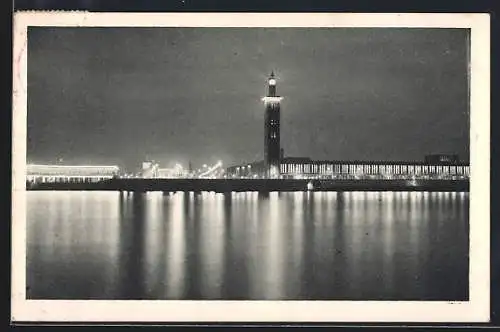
x,y
323,245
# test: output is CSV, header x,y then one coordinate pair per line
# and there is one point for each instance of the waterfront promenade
x,y
260,185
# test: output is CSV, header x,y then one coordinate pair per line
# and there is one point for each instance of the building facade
x,y
327,169
70,173
305,168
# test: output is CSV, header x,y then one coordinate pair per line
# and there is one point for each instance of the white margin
x,y
475,310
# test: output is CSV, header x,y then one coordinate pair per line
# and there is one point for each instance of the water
x,y
295,246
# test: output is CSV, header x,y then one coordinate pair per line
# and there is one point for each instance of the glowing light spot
x,y
272,99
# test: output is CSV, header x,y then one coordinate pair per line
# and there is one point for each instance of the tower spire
x,y
272,129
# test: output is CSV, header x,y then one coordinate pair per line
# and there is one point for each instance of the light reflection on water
x,y
301,245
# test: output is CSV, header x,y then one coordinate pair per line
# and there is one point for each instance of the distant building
x,y
172,173
149,169
252,170
450,159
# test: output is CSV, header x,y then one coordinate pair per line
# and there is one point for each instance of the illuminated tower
x,y
272,129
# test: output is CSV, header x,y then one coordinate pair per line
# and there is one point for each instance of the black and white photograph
x,y
239,164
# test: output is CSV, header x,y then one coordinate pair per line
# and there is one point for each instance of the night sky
x,y
124,95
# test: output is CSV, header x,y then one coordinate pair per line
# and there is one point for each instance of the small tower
x,y
272,129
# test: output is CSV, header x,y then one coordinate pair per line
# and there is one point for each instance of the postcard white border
x,y
475,310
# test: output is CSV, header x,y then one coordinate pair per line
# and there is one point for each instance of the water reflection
x,y
179,208
70,255
211,236
303,245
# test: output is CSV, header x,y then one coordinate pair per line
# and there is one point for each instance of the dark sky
x,y
124,95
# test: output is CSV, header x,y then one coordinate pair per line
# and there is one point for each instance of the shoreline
x,y
258,185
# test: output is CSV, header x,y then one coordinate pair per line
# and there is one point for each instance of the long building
x,y
70,173
305,168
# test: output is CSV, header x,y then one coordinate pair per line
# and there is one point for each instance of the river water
x,y
246,246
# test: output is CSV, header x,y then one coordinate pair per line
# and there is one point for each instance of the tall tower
x,y
272,129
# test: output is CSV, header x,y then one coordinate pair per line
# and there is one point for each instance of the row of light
x,y
73,166
374,169
72,170
243,167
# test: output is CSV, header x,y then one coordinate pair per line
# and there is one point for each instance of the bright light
x,y
274,172
272,81
310,186
204,165
272,99
73,166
